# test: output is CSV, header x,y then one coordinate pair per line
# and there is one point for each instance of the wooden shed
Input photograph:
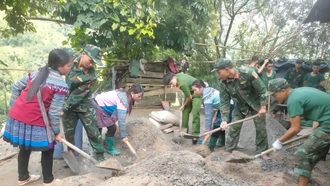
x,y
151,81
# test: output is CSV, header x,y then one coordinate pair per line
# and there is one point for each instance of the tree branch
x,y
46,19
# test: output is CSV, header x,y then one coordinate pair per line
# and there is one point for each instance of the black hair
x,y
199,84
56,58
255,58
168,78
299,61
316,64
136,88
320,87
270,61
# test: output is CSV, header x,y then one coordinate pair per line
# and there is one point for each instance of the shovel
x,y
247,159
165,104
189,136
130,148
179,131
68,156
114,164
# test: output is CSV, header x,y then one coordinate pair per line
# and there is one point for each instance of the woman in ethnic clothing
x,y
25,126
211,100
115,106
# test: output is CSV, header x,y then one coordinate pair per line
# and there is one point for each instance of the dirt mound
x,y
146,139
136,181
84,180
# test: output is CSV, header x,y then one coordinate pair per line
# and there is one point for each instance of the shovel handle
x,y
79,151
65,148
285,143
232,123
130,147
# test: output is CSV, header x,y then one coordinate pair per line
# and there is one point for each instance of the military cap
x,y
222,63
276,85
95,53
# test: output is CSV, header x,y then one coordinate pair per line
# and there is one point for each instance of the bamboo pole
x,y
4,92
16,69
233,48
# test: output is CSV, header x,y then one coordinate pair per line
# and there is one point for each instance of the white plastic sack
x,y
165,117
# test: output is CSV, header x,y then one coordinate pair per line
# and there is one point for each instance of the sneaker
x,y
31,179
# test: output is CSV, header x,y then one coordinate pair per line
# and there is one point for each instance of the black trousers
x,y
46,164
111,131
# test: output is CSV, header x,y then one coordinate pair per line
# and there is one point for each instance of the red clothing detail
x,y
29,112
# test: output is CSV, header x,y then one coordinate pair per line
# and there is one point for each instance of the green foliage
x,y
135,29
26,51
203,72
17,12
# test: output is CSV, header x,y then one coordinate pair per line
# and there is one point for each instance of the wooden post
x,y
4,91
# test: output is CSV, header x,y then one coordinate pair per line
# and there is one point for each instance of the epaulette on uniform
x,y
247,71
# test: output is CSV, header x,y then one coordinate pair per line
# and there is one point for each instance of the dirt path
x,y
162,161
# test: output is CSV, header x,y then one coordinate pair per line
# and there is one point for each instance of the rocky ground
x,y
163,160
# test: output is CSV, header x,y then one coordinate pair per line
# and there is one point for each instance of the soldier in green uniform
x,y
254,63
295,76
315,77
78,104
309,103
244,86
192,102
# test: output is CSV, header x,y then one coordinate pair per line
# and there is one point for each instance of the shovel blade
x,y
239,157
72,162
166,105
111,164
239,160
189,136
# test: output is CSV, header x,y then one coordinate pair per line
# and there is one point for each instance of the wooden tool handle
x,y
79,151
130,147
232,123
285,143
65,148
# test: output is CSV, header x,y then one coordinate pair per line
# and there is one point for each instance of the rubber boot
x,y
222,141
212,143
111,146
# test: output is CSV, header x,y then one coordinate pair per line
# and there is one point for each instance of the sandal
x,y
32,178
51,183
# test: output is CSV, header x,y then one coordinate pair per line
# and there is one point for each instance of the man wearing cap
x,y
78,104
314,105
244,86
295,76
192,103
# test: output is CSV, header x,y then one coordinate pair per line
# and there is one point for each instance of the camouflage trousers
x,y
88,120
235,130
314,149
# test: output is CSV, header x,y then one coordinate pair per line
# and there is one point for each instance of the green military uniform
x,y
265,79
185,82
313,105
78,105
295,78
249,93
312,81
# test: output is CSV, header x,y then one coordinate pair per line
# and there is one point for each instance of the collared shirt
x,y
246,89
80,82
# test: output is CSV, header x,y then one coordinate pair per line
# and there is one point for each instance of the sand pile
x,y
146,139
